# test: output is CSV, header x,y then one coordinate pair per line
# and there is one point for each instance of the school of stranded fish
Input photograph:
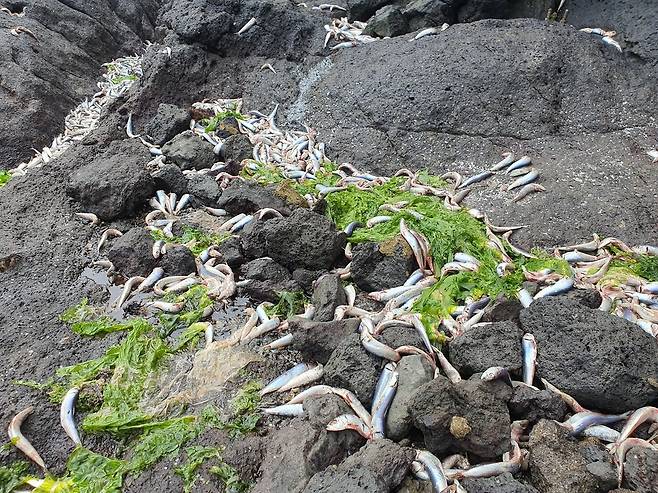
x,y
299,155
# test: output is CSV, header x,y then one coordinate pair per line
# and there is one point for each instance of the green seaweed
x,y
122,78
5,176
196,240
190,336
245,415
12,476
290,303
196,455
646,267
211,124
267,174
230,478
95,473
196,299
89,320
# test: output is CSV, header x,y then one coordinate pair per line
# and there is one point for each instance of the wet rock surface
x,y
178,261
131,253
248,197
604,362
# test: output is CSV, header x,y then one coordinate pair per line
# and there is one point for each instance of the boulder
x,y
333,480
305,278
505,483
115,184
641,470
327,296
267,290
414,371
479,348
131,254
264,269
237,148
353,368
468,416
401,335
232,252
424,13
170,178
189,151
248,197
362,9
204,189
304,239
603,361
376,267
246,456
502,309
316,341
532,404
169,121
387,22
556,462
178,261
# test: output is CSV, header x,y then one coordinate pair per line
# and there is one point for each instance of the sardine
x,y
93,218
311,391
524,297
497,373
284,378
281,342
155,275
520,163
449,370
529,346
350,422
434,469
579,421
527,190
250,23
377,348
562,286
601,432
524,180
640,416
66,415
108,233
286,410
570,401
310,375
476,178
508,159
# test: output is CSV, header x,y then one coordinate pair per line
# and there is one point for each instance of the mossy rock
x,y
285,191
395,246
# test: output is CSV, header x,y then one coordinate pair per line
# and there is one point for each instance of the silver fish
x,y
524,180
311,391
350,422
434,469
66,415
496,373
281,342
529,346
284,378
527,190
475,179
286,410
640,416
601,432
579,421
310,375
520,163
250,23
93,218
20,442
524,297
508,159
562,286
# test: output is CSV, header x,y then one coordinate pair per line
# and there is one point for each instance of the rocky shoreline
x,y
409,308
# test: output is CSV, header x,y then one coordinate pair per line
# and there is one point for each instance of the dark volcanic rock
x,y
131,253
376,267
178,261
304,447
327,295
502,309
556,464
304,239
387,22
189,151
267,290
232,252
317,340
531,404
237,148
248,197
114,184
334,480
401,335
641,470
353,368
471,416
306,278
170,178
587,297
245,456
423,13
413,372
204,189
603,361
498,344
362,9
169,121
264,269
505,483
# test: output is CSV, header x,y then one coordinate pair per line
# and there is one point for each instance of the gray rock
x,y
587,297
387,22
362,9
413,372
531,404
169,121
471,416
297,451
170,178
479,348
605,474
304,239
411,485
178,261
353,368
189,151
131,253
334,480
556,464
316,341
246,456
237,148
376,267
115,184
502,309
401,335
248,197
204,189
327,295
267,290
641,470
232,252
384,458
305,278
424,13
505,483
601,360
264,269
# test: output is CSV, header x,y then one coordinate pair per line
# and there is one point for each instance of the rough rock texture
x,y
470,416
327,295
353,368
376,267
505,483
641,470
267,290
204,190
317,340
557,463
413,372
305,278
246,456
115,184
264,269
131,253
304,239
170,178
389,21
603,361
380,465
44,78
479,348
248,197
502,309
544,104
401,335
237,148
530,404
189,151
169,121
232,252
304,447
178,261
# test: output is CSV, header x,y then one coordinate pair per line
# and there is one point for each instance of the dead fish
x,y
16,31
508,159
625,446
93,218
524,180
377,220
66,415
286,410
426,32
250,23
516,249
127,288
527,190
310,375
108,233
284,378
562,286
496,373
640,416
570,401
156,251
22,443
167,307
434,469
476,179
381,406
512,466
589,246
281,342
346,44
449,370
529,346
350,422
577,256
269,67
653,154
579,421
520,163
150,280
611,42
129,127
216,212
311,391
377,348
